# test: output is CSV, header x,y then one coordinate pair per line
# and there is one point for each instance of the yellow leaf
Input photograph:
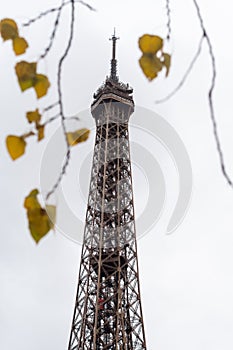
x,y
167,62
33,116
26,73
150,43
51,211
16,146
77,136
8,29
41,85
28,77
151,65
39,221
19,45
31,201
40,129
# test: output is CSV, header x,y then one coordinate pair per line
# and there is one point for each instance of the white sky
x,y
186,278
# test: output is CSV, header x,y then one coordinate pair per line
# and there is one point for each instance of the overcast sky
x,y
187,277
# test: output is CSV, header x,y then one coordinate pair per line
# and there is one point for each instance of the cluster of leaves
x,y
153,59
9,31
40,220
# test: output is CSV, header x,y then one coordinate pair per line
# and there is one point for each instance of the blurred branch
x,y
55,9
61,108
168,9
210,95
55,27
46,109
187,73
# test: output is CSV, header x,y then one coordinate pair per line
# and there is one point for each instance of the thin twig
x,y
55,9
168,9
87,5
46,109
62,115
210,95
55,27
188,71
50,120
55,117
73,118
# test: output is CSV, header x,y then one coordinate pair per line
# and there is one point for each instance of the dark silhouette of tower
x,y
108,313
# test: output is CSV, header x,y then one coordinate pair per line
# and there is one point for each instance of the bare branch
x,y
55,27
168,9
86,4
55,9
46,109
60,177
73,118
187,73
50,120
56,116
43,14
210,96
62,115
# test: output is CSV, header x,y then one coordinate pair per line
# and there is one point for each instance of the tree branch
x,y
55,27
187,73
46,109
62,115
55,9
210,95
168,9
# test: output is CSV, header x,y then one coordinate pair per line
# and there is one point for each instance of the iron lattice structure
x,y
108,313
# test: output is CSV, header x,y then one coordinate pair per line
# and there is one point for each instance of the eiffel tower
x,y
108,311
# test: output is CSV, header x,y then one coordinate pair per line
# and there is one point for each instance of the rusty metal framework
x,y
108,312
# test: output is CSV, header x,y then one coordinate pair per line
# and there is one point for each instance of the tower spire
x,y
113,74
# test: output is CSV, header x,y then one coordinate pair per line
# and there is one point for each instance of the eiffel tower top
x,y
113,74
112,83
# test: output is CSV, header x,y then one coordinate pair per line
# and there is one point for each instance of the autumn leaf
x,y
40,222
51,211
153,59
41,85
33,116
8,29
77,136
150,44
20,45
16,146
28,78
167,62
151,65
26,73
40,129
